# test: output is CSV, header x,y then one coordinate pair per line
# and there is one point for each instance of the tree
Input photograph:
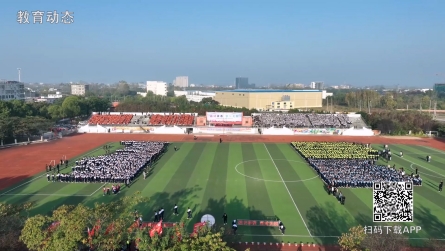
x,y
123,88
71,107
12,220
67,228
176,239
5,128
352,240
209,101
385,242
55,111
436,245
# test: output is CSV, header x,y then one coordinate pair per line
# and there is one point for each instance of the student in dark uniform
x,y
189,213
416,170
176,149
234,227
343,198
225,218
175,210
220,140
440,186
156,216
282,229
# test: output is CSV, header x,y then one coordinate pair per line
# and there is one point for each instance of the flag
x,y
156,229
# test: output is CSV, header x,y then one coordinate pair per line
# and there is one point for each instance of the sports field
x,y
253,181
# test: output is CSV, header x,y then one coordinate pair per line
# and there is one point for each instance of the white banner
x,y
225,117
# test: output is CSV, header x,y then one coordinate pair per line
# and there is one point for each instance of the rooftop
x,y
266,90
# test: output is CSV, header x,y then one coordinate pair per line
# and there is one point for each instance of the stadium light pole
x,y
19,69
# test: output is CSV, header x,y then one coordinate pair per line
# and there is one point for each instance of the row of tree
x,y
70,228
370,99
356,239
22,119
155,103
401,122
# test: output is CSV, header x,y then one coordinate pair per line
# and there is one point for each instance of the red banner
x,y
156,229
258,223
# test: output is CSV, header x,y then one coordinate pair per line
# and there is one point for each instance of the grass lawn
x,y
253,181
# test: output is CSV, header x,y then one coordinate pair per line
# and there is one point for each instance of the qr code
x,y
393,202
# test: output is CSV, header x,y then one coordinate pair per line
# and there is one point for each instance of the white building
x,y
317,85
195,96
182,81
51,98
12,90
157,87
79,90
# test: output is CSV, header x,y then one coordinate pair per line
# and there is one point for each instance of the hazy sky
x,y
356,42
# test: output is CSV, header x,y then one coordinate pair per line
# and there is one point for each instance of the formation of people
x,y
344,164
335,150
122,166
293,120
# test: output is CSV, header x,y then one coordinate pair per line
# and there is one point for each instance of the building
x,y
264,100
195,96
12,90
439,87
79,89
51,98
242,83
317,85
182,81
295,86
157,87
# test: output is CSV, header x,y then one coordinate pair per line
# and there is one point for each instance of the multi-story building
x,y
317,85
182,81
195,96
12,90
79,90
242,83
271,99
439,87
157,87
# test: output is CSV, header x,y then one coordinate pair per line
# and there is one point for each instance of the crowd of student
x,y
294,120
343,164
335,150
122,166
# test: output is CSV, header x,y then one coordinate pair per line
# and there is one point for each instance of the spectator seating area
x,y
175,119
344,164
123,119
294,120
140,120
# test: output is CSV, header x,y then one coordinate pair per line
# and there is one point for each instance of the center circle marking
x,y
281,181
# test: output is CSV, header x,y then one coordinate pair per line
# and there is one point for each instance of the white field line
x,y
22,184
284,183
412,163
97,189
38,177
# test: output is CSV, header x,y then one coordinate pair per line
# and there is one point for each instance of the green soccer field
x,y
253,181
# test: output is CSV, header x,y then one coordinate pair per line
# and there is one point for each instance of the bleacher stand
x,y
140,119
123,119
293,120
173,119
